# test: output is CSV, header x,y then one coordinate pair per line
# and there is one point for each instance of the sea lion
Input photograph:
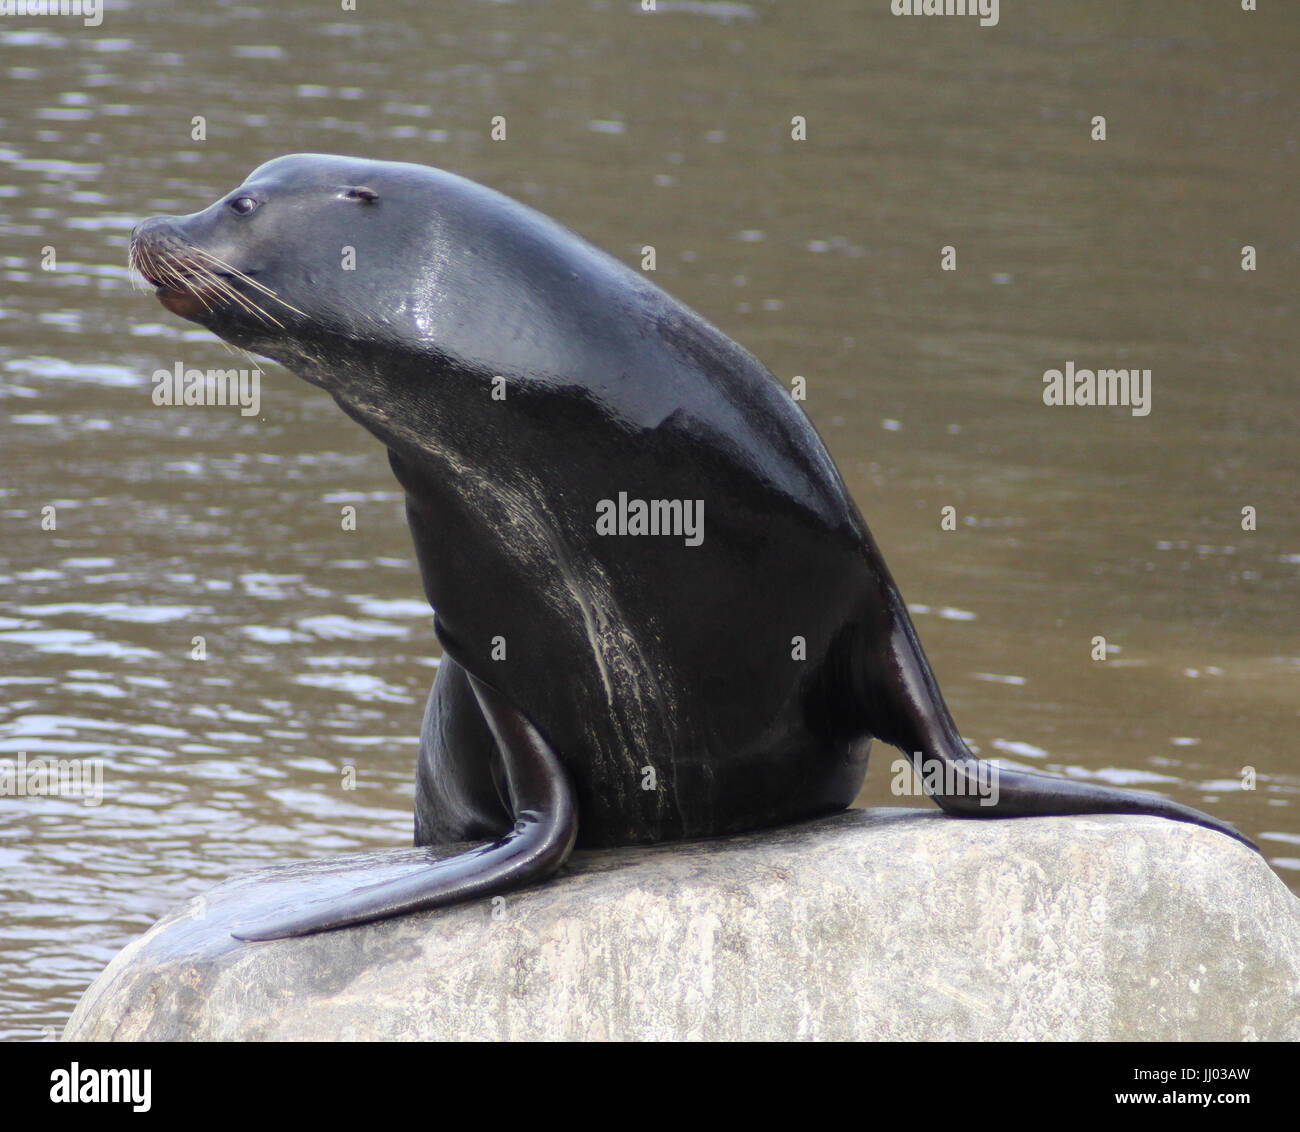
x,y
661,614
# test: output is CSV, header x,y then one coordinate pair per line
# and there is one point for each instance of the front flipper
x,y
545,827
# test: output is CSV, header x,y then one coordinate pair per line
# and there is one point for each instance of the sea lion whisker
x,y
168,270
248,279
222,285
183,269
134,274
142,261
214,285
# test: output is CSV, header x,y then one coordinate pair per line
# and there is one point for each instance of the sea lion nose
x,y
154,229
161,253
143,240
155,242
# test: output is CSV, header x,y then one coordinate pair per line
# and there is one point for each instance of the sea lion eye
x,y
243,205
358,192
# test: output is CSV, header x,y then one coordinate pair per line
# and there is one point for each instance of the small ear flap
x,y
357,192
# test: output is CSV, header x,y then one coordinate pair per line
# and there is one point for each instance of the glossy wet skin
x,y
630,652
684,690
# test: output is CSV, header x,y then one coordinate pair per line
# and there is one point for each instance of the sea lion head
x,y
410,294
310,258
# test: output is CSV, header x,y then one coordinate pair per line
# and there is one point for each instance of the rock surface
x,y
877,924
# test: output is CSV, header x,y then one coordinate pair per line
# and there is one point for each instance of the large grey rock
x,y
890,924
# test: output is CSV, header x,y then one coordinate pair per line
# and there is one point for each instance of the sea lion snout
x,y
154,243
171,265
201,274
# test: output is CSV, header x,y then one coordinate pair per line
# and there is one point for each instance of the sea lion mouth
x,y
179,276
191,281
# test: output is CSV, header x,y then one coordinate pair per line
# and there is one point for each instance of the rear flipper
x,y
1012,793
545,827
903,707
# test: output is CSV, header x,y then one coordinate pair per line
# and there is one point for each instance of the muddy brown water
x,y
822,256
